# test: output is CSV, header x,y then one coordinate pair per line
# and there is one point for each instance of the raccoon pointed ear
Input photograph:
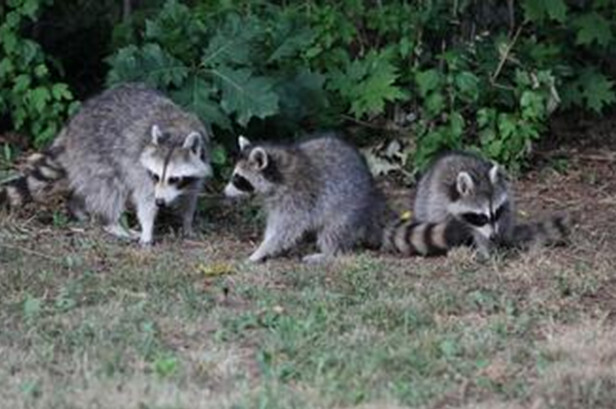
x,y
243,142
259,157
156,134
464,183
496,173
193,142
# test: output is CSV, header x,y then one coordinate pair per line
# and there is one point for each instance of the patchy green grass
x,y
92,322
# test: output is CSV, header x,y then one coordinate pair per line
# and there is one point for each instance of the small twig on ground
x,y
32,252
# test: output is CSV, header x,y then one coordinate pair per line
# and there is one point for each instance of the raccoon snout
x,y
160,202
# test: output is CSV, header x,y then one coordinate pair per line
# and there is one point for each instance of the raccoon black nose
x,y
160,202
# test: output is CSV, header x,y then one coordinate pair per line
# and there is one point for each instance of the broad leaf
x,y
302,95
538,10
149,64
593,27
427,81
596,89
245,95
197,96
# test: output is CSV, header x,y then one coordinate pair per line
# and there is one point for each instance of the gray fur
x,y
321,185
105,148
458,182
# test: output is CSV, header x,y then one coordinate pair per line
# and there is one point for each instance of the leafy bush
x,y
35,103
484,75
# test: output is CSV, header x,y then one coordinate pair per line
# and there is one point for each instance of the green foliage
x,y
29,95
260,67
228,68
367,83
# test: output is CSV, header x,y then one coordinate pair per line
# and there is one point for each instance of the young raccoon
x,y
130,142
321,185
474,191
413,238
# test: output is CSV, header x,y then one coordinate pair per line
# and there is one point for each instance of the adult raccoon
x,y
128,143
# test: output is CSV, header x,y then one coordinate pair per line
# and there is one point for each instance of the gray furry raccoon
x,y
476,192
321,185
129,143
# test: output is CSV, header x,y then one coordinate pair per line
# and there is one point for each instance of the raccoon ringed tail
x,y
41,173
552,231
412,238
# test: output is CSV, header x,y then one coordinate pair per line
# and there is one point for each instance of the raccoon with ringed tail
x,y
474,191
130,143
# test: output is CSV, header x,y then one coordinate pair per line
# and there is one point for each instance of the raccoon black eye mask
x,y
241,183
480,219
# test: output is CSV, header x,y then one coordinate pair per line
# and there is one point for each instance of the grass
x,y
92,322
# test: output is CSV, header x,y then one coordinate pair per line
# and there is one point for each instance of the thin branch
x,y
31,252
505,56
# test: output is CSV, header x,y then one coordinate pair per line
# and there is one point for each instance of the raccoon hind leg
x,y
76,207
335,239
106,202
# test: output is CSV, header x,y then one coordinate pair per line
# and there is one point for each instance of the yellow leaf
x,y
214,270
406,215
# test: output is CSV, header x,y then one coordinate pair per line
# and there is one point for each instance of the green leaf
x,y
596,89
149,64
533,106
9,42
468,84
22,83
60,91
219,155
246,95
456,127
198,96
39,97
538,10
29,8
427,81
506,125
486,117
435,103
592,27
302,95
367,83
40,70
289,40
377,88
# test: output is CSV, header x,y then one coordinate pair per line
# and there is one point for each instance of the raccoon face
x,y
173,169
482,204
253,172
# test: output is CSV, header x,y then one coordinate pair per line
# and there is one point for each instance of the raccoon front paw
x,y
316,258
145,243
188,233
257,257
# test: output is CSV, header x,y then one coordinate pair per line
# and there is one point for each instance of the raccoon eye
x,y
154,176
475,219
173,180
241,183
499,212
186,181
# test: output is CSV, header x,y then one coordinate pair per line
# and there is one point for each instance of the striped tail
x,y
552,231
42,172
413,238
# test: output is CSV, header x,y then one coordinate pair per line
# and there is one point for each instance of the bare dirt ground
x,y
92,322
